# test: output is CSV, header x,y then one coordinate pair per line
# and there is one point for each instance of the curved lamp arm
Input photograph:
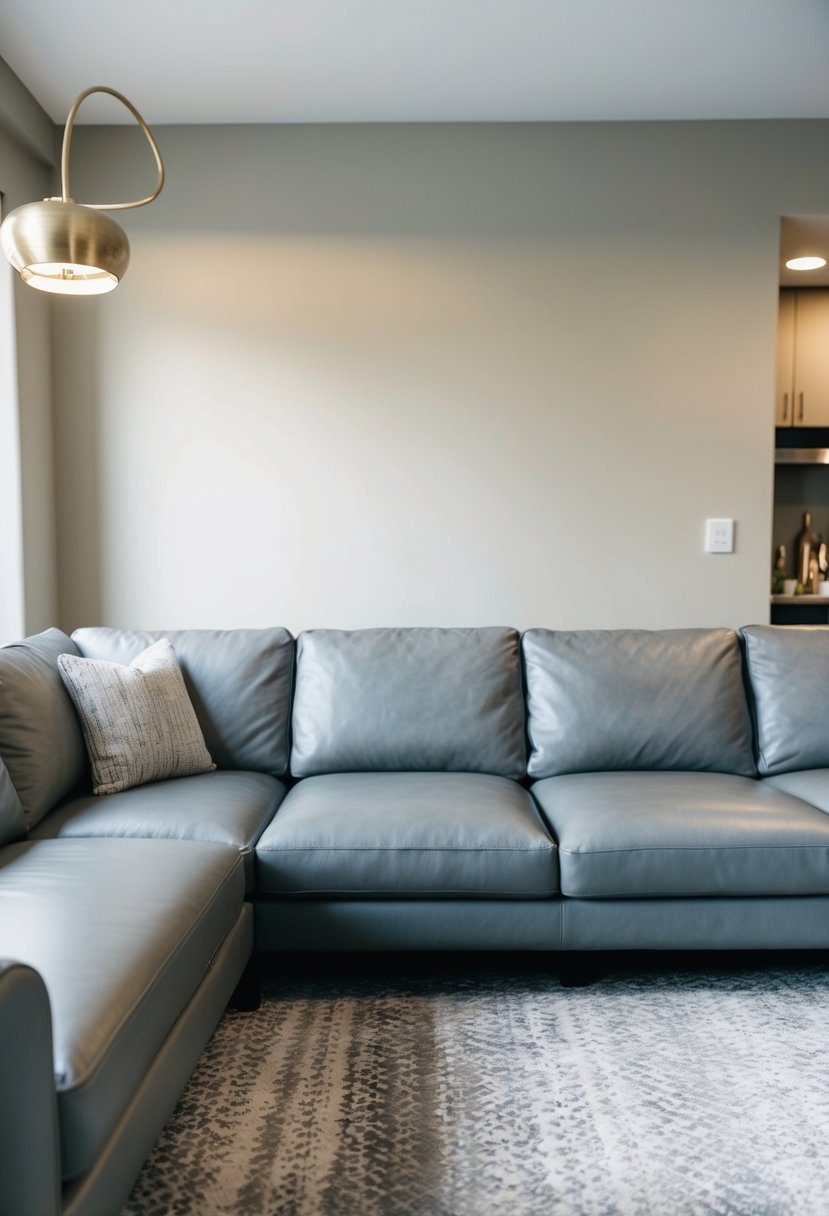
x,y
67,146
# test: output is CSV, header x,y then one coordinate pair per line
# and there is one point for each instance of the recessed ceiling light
x,y
805,263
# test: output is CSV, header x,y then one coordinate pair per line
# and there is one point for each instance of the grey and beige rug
x,y
495,1092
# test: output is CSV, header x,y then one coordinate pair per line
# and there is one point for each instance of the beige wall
x,y
28,559
448,374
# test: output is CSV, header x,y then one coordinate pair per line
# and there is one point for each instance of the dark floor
x,y
571,966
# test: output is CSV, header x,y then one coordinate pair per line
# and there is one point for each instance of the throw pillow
x,y
138,721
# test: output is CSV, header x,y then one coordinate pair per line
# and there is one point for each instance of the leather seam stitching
x,y
370,848
688,848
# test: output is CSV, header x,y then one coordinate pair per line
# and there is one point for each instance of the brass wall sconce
x,y
70,248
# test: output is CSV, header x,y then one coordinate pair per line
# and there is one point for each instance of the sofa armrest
x,y
29,1146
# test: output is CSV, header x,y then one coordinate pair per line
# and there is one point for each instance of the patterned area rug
x,y
496,1092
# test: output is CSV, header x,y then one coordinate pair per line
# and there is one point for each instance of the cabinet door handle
x,y
785,407
800,414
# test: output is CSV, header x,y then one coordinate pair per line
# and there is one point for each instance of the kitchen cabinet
x,y
785,358
803,358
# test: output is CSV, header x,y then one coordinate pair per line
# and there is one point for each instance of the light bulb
x,y
69,278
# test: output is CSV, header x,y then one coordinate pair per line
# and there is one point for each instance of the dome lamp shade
x,y
70,248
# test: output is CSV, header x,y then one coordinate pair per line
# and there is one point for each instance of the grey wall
x,y
28,559
429,374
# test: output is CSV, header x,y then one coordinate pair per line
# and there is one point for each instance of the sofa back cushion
x,y
239,681
395,700
634,699
138,722
12,820
40,737
788,668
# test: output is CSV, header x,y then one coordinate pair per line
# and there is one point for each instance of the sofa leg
x,y
578,970
247,995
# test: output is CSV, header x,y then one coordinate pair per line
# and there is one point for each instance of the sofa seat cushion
x,y
122,932
811,785
683,834
217,808
407,834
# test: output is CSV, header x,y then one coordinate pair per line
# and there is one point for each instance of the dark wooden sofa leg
x,y
578,969
247,995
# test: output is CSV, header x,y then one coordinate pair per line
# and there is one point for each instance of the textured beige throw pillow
x,y
138,721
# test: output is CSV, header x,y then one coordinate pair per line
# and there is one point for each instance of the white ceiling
x,y
423,60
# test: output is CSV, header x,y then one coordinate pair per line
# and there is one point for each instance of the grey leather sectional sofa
x,y
395,789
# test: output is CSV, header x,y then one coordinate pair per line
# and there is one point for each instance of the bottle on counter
x,y
806,542
778,575
814,575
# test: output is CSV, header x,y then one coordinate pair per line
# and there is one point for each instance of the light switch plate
x,y
719,536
